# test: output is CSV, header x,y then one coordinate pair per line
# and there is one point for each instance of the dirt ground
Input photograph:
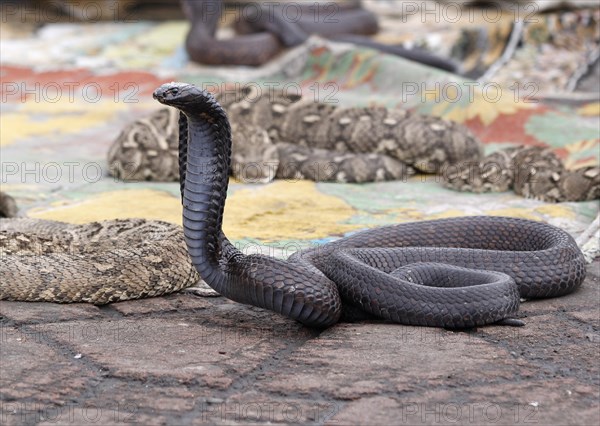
x,y
185,359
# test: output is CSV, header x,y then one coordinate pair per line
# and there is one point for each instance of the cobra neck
x,y
205,189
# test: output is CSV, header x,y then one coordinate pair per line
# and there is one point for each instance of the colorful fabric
x,y
512,45
68,89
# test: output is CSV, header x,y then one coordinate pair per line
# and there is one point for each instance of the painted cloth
x,y
68,89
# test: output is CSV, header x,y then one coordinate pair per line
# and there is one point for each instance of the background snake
x,y
266,29
279,135
454,273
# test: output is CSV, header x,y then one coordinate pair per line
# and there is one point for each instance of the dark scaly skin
x,y
412,273
294,25
203,46
415,54
8,206
268,30
183,135
346,22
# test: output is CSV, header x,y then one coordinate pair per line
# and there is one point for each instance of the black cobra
x,y
455,273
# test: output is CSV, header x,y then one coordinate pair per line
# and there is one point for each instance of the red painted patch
x,y
20,84
507,128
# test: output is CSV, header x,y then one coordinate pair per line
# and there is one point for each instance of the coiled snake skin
x,y
280,135
264,29
98,262
453,273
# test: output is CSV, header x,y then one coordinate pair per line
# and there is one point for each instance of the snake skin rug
x,y
280,135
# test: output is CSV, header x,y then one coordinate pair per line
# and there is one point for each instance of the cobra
x,y
455,273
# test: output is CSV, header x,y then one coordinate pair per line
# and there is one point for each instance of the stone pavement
x,y
182,359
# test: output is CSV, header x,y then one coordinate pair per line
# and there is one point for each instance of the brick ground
x,y
188,360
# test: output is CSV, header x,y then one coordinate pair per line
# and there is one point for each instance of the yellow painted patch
x,y
286,210
557,210
59,118
165,36
281,210
591,109
400,214
447,213
160,41
145,203
487,106
577,154
522,213
16,187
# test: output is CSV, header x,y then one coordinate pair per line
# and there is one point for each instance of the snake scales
x,y
99,262
454,272
282,135
264,29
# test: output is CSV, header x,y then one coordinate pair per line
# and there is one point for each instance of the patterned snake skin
x,y
99,262
280,135
453,272
533,172
330,143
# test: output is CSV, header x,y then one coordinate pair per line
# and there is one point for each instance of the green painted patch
x,y
558,129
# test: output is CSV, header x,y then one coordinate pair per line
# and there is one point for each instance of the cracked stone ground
x,y
182,359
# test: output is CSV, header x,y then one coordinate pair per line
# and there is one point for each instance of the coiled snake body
x,y
98,262
278,135
453,272
269,27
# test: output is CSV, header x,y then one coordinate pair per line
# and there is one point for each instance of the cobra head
x,y
183,96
